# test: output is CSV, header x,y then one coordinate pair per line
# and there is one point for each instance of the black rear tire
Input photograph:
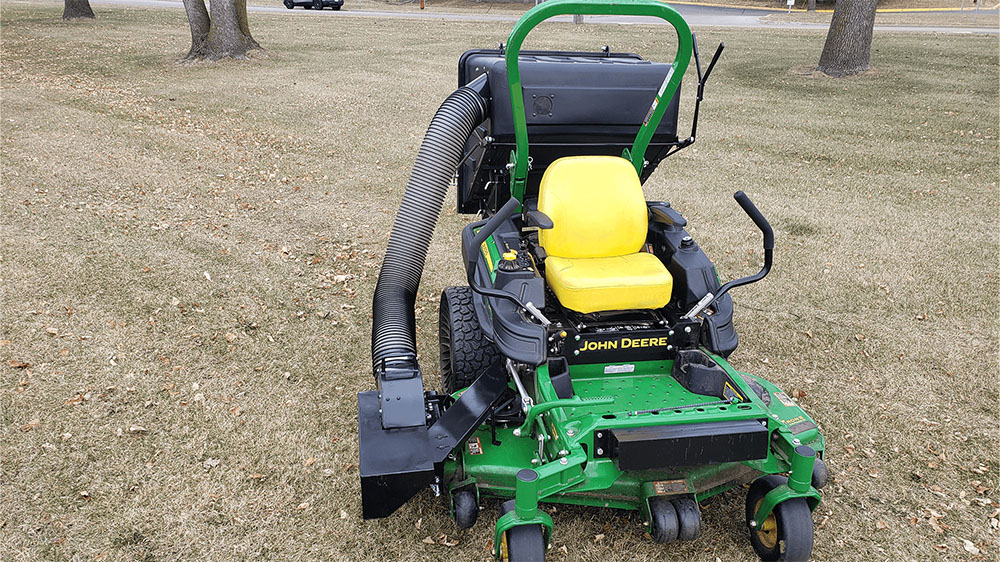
x,y
524,543
688,519
465,350
787,535
465,508
663,526
318,4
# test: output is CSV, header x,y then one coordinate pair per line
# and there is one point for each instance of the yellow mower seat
x,y
595,262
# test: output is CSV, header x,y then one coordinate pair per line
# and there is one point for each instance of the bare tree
x,y
849,41
222,32
75,9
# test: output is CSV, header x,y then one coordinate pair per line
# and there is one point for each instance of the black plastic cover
x,y
662,446
575,104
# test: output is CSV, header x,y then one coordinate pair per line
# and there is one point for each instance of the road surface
x,y
696,16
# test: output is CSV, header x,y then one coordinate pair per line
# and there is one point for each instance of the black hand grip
x,y
489,228
509,208
756,217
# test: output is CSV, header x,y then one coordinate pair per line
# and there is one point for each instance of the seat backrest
x,y
596,205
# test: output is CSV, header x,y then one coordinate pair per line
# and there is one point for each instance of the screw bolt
x,y
687,329
564,460
600,451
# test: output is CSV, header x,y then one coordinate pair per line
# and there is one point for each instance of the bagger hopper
x,y
586,360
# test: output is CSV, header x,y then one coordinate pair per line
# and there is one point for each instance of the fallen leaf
x,y
33,424
880,524
257,476
303,506
230,337
52,331
136,429
598,538
428,540
15,364
969,546
797,394
309,461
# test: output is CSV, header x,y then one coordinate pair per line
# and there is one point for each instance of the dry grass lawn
x,y
188,255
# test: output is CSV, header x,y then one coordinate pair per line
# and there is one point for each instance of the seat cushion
x,y
633,281
596,206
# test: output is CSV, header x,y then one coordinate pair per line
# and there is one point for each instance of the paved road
x,y
696,16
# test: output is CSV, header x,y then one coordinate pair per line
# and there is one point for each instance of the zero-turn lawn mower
x,y
586,360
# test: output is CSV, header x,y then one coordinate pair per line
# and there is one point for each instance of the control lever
x,y
487,230
755,215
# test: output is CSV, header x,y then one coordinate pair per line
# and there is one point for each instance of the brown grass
x,y
188,255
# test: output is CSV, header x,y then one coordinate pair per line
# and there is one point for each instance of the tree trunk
x,y
74,9
811,5
222,32
849,41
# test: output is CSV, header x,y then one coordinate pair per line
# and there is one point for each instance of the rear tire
x,y
317,4
465,350
524,543
787,534
289,4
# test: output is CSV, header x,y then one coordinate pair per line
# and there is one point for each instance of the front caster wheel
x,y
465,508
524,543
688,519
663,526
787,533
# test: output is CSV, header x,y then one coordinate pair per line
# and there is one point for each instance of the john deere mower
x,y
586,360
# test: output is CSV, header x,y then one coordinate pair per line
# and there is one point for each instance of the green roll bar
x,y
551,8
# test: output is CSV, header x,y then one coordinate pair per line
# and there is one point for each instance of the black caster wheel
x,y
787,533
663,525
688,519
464,508
821,474
524,543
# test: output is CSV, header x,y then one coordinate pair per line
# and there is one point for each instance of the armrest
x,y
661,212
538,219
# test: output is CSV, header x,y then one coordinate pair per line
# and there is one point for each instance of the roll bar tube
x,y
552,8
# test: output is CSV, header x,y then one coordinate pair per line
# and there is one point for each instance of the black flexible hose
x,y
393,324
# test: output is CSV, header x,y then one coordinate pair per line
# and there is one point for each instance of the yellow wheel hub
x,y
767,534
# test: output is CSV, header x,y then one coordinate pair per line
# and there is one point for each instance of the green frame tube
x,y
551,8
